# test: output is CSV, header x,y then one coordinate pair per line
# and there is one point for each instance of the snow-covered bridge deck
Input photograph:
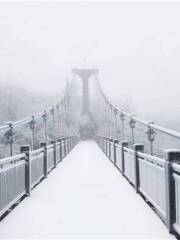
x,y
84,197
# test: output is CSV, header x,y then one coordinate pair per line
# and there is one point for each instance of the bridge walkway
x,y
84,197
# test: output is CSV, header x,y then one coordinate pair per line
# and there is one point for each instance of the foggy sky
x,y
135,45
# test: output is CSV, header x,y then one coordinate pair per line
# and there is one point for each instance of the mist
x,y
135,46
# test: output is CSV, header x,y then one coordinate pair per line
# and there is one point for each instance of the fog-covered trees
x,y
17,102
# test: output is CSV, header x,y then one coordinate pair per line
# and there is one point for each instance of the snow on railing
x,y
132,128
152,125
156,179
19,174
9,131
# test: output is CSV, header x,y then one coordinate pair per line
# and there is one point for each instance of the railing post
x,y
123,144
132,123
74,140
100,142
122,117
26,149
171,155
54,146
110,141
106,146
60,148
116,127
65,145
72,137
115,142
69,144
44,145
45,125
67,150
53,122
10,137
151,136
32,126
107,149
58,119
137,148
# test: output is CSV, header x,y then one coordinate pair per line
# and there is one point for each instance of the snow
x,y
84,197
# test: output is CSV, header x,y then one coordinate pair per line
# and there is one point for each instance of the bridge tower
x,y
85,74
87,126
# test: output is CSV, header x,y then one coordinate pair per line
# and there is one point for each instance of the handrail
x,y
27,120
22,121
128,150
152,125
51,146
4,127
36,152
145,156
156,179
20,173
176,167
149,124
12,159
154,159
39,114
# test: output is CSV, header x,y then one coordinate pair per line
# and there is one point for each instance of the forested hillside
x,y
17,102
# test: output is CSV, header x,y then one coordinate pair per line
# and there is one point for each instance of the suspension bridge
x,y
56,180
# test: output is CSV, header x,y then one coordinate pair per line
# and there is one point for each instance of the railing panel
x,y
153,184
112,151
129,166
12,184
155,178
62,148
37,166
107,145
104,144
67,147
58,152
66,144
21,172
50,157
177,201
119,157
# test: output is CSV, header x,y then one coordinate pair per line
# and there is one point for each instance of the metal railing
x,y
20,173
12,181
156,179
37,166
117,123
50,124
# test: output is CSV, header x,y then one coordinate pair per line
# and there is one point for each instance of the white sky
x,y
135,45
